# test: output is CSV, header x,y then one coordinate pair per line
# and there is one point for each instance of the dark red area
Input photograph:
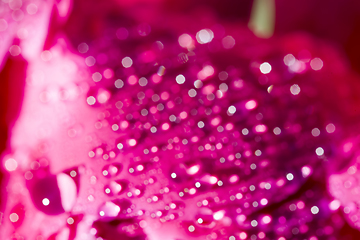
x,y
12,83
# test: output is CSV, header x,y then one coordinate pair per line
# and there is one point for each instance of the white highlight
x,y
314,210
295,89
265,68
289,176
11,164
218,215
45,202
67,189
127,62
232,109
334,205
204,36
319,151
180,79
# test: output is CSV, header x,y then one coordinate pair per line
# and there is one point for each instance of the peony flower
x,y
165,126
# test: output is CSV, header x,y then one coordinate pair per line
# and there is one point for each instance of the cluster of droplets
x,y
16,21
211,138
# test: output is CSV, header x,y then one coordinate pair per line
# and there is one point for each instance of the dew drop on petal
x,y
11,164
204,36
334,205
319,151
295,89
265,68
314,210
316,64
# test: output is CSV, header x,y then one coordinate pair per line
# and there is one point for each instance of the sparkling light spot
x,y
314,210
352,170
215,121
260,128
289,59
70,220
290,176
234,178
245,131
266,219
253,166
140,168
206,72
300,205
204,36
277,131
119,83
232,109
103,96
97,77
83,48
132,80
254,223
90,61
191,228
127,62
165,126
316,64
330,128
297,67
334,205
45,202
280,182
319,151
305,171
132,142
228,42
243,235
11,164
295,89
143,81
15,50
223,87
108,73
292,207
213,180
192,92
261,235
219,215
265,68
264,201
14,217
198,84
186,41
258,153
183,115
193,170
180,79
315,132
249,105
